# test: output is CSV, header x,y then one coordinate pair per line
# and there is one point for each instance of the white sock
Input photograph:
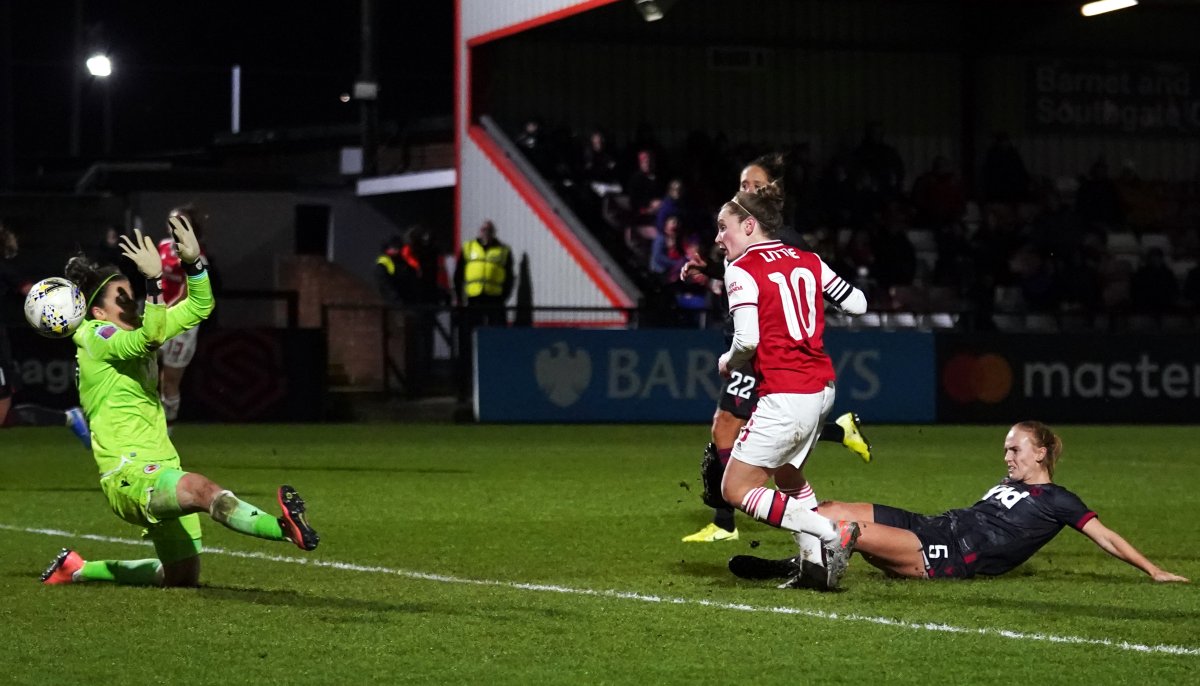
x,y
810,546
777,509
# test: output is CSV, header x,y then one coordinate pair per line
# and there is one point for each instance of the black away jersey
x,y
1012,521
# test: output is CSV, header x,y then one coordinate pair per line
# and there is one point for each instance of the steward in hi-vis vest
x,y
484,275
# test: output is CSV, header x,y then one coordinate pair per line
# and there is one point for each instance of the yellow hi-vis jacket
x,y
483,272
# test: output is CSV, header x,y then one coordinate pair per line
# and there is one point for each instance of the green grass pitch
x,y
551,554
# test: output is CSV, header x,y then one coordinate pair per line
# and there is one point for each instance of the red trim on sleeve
x,y
743,305
1084,520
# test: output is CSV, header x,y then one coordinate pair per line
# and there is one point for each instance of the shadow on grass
x,y
296,468
375,608
291,598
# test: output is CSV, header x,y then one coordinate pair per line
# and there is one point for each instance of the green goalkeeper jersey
x,y
118,378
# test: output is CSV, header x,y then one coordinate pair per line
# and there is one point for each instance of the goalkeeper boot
x,y
837,552
62,569
711,534
78,425
853,437
294,522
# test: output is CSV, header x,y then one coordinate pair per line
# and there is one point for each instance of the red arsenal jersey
x,y
786,285
174,278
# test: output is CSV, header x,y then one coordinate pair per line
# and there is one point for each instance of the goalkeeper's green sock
x,y
125,572
245,518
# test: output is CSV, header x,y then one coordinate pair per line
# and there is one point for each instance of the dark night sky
x,y
172,61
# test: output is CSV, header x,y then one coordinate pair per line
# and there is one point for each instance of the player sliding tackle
x,y
775,294
1002,530
140,472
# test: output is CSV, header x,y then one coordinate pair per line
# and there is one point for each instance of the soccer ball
x,y
55,307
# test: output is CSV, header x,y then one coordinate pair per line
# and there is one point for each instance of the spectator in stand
x,y
1154,287
1056,227
1035,277
803,190
1116,275
896,258
530,142
672,205
598,166
1004,177
1078,282
954,267
938,196
645,190
880,162
838,194
670,250
1097,201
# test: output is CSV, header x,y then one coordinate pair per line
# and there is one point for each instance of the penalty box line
x,y
646,598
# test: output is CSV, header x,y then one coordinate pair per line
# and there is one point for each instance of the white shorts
x,y
783,429
177,352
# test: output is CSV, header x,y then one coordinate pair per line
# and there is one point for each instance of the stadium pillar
x,y
366,91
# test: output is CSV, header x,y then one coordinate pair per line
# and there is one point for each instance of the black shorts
x,y
741,393
939,545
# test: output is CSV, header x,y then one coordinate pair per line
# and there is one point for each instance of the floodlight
x,y
1091,9
99,65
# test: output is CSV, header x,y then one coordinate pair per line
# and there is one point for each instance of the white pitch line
x,y
642,597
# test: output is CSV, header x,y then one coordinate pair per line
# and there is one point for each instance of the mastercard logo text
x,y
987,378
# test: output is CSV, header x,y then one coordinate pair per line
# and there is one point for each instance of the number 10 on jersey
x,y
798,294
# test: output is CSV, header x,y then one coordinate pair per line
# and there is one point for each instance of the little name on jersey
x,y
779,253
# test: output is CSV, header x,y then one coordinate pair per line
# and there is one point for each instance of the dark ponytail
x,y
90,277
773,163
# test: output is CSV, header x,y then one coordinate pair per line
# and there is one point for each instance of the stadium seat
x,y
943,320
1141,323
1181,268
1074,322
1009,299
908,298
1041,323
1123,243
1176,322
923,240
1156,240
928,258
870,320
1009,323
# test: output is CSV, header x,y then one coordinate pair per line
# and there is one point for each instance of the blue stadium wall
x,y
669,375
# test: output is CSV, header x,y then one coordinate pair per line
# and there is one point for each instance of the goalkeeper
x,y
139,468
